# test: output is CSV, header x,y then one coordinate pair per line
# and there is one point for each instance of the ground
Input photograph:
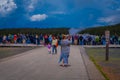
x,y
38,64
110,68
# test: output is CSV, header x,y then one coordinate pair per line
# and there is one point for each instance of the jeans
x,y
103,42
64,57
54,49
81,43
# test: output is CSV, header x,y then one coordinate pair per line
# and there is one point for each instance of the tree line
x,y
114,30
34,31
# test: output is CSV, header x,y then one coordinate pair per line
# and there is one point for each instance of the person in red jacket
x,y
15,38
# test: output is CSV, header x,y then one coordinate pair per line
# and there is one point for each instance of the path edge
x,y
93,72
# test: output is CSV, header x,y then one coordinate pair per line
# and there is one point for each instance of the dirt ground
x,y
10,51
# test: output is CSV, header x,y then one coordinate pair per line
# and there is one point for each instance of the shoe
x,y
65,65
61,65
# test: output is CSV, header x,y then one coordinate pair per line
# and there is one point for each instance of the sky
x,y
58,13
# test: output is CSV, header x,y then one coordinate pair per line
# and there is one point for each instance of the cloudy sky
x,y
58,13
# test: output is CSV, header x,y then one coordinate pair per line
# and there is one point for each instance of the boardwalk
x,y
37,64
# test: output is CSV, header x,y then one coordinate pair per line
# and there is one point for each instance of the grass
x,y
99,68
10,51
110,69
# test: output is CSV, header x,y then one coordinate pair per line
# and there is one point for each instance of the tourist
x,y
65,50
54,45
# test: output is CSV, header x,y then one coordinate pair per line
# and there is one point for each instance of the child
x,y
49,48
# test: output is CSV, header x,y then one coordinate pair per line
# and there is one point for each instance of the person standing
x,y
46,39
65,50
15,38
37,42
0,39
4,39
54,45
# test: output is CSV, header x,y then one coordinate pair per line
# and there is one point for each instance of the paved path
x,y
37,64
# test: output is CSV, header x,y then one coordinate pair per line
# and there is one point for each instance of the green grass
x,y
97,55
99,68
10,51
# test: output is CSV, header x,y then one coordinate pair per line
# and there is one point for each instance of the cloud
x,y
7,6
32,5
110,10
110,19
38,17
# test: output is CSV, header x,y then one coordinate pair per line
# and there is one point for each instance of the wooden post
x,y
107,51
107,35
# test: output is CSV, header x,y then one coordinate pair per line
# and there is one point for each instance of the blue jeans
x,y
54,49
64,57
104,42
81,43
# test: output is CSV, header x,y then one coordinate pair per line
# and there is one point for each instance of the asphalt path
x,y
38,64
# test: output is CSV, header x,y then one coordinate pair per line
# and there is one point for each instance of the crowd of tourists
x,y
77,39
52,42
21,38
